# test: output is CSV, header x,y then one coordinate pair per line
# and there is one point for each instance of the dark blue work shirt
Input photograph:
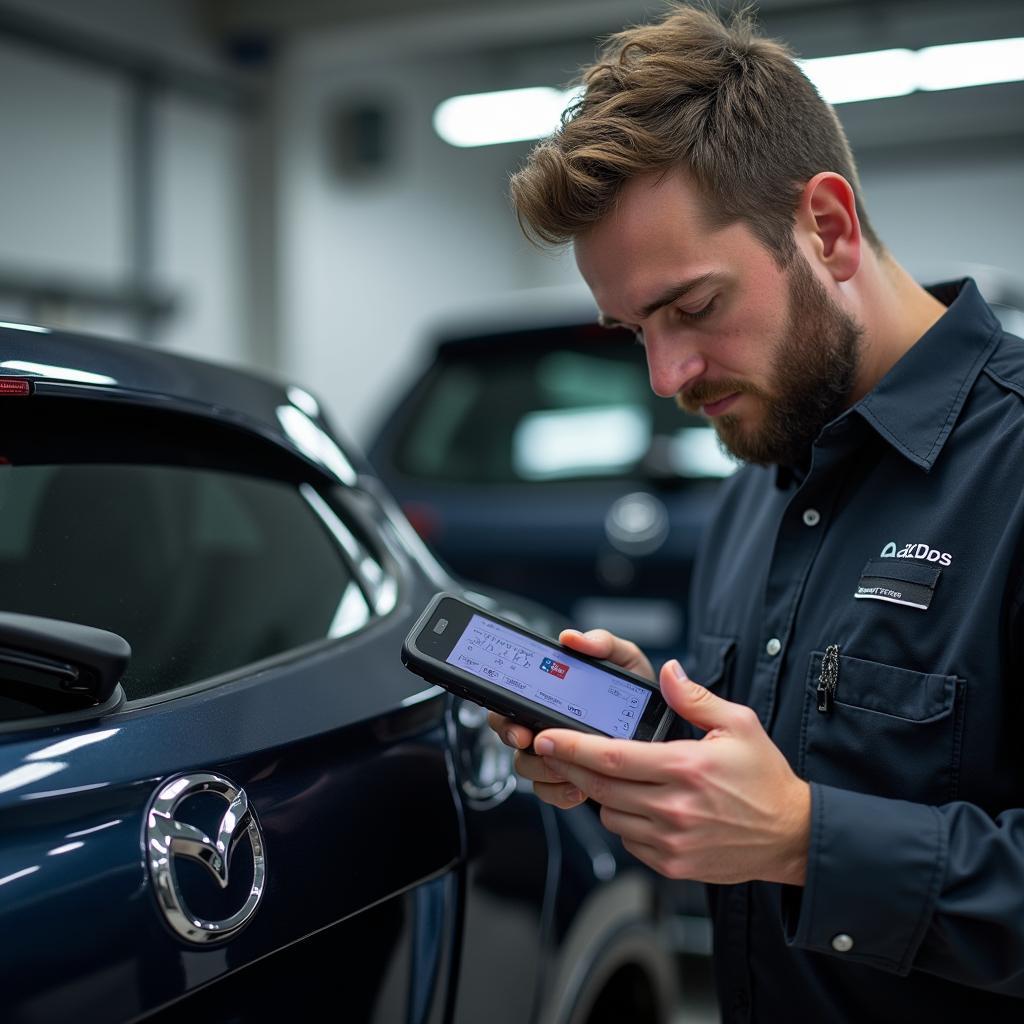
x,y
901,545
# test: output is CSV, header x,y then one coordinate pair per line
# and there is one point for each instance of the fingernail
x,y
544,746
677,670
572,793
510,739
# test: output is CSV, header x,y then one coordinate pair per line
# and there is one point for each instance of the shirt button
x,y
773,646
842,943
811,517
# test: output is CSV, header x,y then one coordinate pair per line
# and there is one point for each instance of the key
x,y
828,679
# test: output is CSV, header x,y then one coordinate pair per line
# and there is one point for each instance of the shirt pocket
x,y
712,661
889,732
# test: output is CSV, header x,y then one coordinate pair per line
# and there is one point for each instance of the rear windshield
x,y
202,547
551,405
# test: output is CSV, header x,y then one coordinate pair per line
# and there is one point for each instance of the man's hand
x,y
726,808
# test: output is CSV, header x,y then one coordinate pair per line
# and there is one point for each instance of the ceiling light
x,y
513,115
517,115
862,76
965,64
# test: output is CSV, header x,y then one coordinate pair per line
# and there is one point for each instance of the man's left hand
x,y
725,808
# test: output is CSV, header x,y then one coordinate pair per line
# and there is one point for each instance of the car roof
x,y
65,363
575,333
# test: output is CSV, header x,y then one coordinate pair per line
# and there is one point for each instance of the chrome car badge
x,y
165,839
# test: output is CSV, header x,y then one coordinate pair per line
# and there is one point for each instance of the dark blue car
x,y
222,797
534,456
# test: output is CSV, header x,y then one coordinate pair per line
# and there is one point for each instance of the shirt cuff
x,y
874,869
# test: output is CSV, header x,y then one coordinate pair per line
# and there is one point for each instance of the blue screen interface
x,y
549,677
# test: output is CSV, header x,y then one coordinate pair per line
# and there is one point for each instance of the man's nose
x,y
672,366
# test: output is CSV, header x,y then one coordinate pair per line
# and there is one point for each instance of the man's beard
x,y
812,377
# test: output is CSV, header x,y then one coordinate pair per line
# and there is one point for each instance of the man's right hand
x,y
597,643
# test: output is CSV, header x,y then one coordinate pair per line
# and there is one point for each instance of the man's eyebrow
x,y
668,296
676,291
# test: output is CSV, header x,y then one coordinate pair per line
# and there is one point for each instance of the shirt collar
x,y
915,405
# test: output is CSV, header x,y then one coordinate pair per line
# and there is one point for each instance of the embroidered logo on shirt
x,y
919,551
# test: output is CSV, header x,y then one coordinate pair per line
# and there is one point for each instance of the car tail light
x,y
15,386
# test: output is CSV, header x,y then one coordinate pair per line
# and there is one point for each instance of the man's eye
x,y
699,314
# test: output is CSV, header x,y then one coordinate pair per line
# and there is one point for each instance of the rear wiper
x,y
53,665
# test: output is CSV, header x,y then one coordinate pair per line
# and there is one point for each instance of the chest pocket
x,y
889,731
710,663
712,660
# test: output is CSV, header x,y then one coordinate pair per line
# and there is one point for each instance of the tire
x,y
616,965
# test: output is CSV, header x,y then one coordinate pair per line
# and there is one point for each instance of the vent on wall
x,y
360,137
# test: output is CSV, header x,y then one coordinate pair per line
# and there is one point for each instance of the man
x,y
856,612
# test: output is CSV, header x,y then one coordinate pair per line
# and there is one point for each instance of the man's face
x,y
764,352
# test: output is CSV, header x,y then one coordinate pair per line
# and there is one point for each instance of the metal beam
x,y
83,48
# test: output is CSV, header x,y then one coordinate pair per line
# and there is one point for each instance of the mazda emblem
x,y
165,839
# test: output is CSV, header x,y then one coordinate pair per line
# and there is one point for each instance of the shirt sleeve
x,y
903,886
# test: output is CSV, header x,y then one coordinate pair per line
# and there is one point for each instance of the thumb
x,y
692,701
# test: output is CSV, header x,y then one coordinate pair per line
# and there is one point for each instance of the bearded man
x,y
848,774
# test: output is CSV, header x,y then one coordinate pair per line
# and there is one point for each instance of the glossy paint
x,y
341,763
391,895
59,363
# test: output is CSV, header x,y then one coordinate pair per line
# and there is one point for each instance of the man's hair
x,y
716,100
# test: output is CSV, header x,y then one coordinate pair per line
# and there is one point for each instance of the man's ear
x,y
827,217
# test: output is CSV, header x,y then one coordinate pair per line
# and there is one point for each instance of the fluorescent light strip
x,y
513,115
884,73
862,76
961,65
518,115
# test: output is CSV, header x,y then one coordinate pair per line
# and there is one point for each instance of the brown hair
x,y
728,106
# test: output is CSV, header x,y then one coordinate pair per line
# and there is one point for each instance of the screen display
x,y
549,677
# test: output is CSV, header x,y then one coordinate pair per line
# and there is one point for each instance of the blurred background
x,y
262,182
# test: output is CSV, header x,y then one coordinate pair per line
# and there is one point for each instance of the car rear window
x,y
550,405
204,549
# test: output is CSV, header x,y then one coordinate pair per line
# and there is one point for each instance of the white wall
x,y
200,230
65,184
62,172
367,267
948,206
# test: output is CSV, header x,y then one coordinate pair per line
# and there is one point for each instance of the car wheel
x,y
633,980
616,963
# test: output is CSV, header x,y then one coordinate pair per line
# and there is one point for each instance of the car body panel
x,y
401,852
334,744
61,363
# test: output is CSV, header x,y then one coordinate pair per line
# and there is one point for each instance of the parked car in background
x,y
537,458
222,797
